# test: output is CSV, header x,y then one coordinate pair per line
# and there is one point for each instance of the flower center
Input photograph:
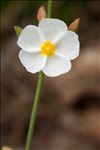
x,y
48,48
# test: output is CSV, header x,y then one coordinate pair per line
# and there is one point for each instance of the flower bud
x,y
74,25
41,13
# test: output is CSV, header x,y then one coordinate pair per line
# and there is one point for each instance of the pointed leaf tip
x,y
18,30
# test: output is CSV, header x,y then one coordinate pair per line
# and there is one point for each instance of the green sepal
x,y
18,30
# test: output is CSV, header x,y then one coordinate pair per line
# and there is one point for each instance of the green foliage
x,y
18,30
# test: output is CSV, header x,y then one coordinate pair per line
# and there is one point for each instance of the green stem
x,y
49,8
35,109
37,97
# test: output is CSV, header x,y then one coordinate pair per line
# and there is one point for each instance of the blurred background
x,y
69,110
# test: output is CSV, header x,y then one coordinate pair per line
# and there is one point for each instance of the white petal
x,y
52,29
33,62
30,38
56,65
69,45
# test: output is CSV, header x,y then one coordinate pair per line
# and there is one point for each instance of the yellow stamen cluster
x,y
48,48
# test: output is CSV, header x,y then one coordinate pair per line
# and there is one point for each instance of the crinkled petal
x,y
69,45
33,62
30,38
52,29
57,65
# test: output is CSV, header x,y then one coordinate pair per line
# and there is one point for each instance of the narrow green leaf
x,y
18,30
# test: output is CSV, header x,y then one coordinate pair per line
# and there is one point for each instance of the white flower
x,y
50,47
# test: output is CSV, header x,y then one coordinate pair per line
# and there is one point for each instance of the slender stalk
x,y
49,8
35,109
37,97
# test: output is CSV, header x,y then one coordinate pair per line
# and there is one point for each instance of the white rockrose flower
x,y
50,47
